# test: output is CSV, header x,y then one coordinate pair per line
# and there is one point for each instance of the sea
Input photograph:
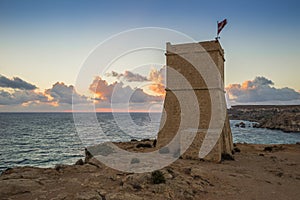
x,y
48,139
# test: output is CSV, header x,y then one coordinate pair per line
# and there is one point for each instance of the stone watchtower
x,y
176,93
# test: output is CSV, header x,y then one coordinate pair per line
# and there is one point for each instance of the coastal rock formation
x,y
241,125
285,118
274,175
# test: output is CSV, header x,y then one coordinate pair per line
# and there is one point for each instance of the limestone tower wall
x,y
178,105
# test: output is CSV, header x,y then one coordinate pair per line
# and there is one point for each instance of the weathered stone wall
x,y
176,91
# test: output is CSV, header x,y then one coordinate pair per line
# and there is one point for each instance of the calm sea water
x,y
47,139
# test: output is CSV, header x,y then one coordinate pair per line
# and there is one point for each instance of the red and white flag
x,y
221,25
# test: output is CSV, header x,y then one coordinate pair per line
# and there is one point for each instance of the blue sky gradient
x,y
46,41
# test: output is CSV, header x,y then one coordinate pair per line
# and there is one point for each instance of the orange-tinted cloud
x,y
157,77
158,89
117,92
60,96
101,89
260,90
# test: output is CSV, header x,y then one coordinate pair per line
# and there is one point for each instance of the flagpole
x,y
217,38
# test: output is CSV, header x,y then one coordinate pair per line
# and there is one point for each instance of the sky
x,y
43,45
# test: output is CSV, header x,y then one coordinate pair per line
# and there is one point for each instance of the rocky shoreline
x,y
257,172
285,118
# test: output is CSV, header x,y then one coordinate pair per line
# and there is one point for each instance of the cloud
x,y
260,90
21,97
128,76
15,83
64,94
19,92
157,77
60,97
117,92
102,89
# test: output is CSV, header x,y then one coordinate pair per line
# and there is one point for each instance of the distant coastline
x,y
275,117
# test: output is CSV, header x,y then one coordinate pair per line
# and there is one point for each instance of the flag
x,y
221,25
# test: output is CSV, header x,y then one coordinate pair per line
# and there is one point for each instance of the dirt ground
x,y
257,172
